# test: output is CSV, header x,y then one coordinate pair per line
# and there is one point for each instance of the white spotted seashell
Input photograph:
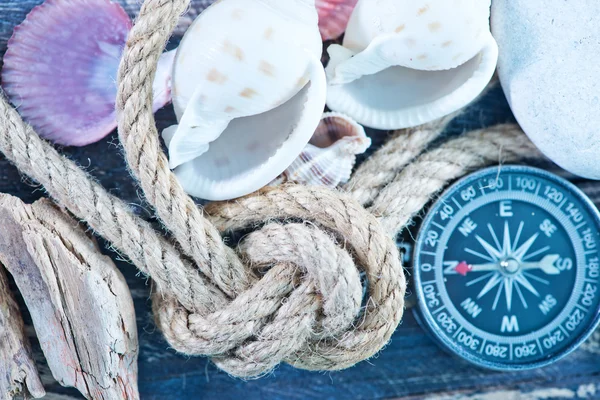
x,y
407,62
248,91
329,157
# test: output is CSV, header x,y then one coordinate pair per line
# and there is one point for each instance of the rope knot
x,y
303,302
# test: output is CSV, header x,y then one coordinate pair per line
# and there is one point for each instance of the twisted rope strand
x,y
250,347
406,144
292,291
408,193
106,214
147,162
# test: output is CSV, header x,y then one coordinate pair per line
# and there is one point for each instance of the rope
x,y
291,291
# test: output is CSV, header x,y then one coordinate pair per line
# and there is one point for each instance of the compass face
x,y
507,269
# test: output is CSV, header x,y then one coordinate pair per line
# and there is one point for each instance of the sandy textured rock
x,y
548,67
18,374
81,307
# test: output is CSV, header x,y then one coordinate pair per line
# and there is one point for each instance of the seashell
x,y
248,98
330,155
61,66
334,16
404,63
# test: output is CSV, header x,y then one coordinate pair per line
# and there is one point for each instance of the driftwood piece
x,y
80,305
18,374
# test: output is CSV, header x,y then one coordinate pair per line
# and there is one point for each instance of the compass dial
x,y
507,268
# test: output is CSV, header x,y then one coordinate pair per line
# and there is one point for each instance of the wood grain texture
x,y
18,373
80,306
412,366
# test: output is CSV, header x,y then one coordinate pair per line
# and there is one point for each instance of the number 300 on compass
x,y
507,268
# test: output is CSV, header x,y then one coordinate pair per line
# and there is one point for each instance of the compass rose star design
x,y
507,266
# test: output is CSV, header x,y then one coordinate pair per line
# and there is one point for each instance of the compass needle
x,y
512,281
546,264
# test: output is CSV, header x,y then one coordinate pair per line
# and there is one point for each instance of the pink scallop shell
x,y
334,16
61,65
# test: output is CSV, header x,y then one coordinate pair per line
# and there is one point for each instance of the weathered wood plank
x,y
18,373
411,365
79,303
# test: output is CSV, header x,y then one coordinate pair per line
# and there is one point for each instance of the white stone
x,y
549,67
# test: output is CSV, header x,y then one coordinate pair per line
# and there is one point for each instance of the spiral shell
x,y
247,98
404,62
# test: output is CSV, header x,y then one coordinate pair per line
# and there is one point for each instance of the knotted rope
x,y
291,291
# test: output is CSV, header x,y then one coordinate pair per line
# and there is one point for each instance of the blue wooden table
x,y
411,366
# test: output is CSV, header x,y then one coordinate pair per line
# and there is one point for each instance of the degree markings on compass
x,y
582,308
438,310
537,340
456,202
562,203
564,330
485,275
457,332
535,253
437,225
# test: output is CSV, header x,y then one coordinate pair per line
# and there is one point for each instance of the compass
x,y
507,268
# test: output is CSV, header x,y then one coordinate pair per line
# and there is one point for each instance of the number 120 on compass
x,y
507,268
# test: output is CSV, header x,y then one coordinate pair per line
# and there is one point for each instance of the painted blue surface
x,y
411,365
